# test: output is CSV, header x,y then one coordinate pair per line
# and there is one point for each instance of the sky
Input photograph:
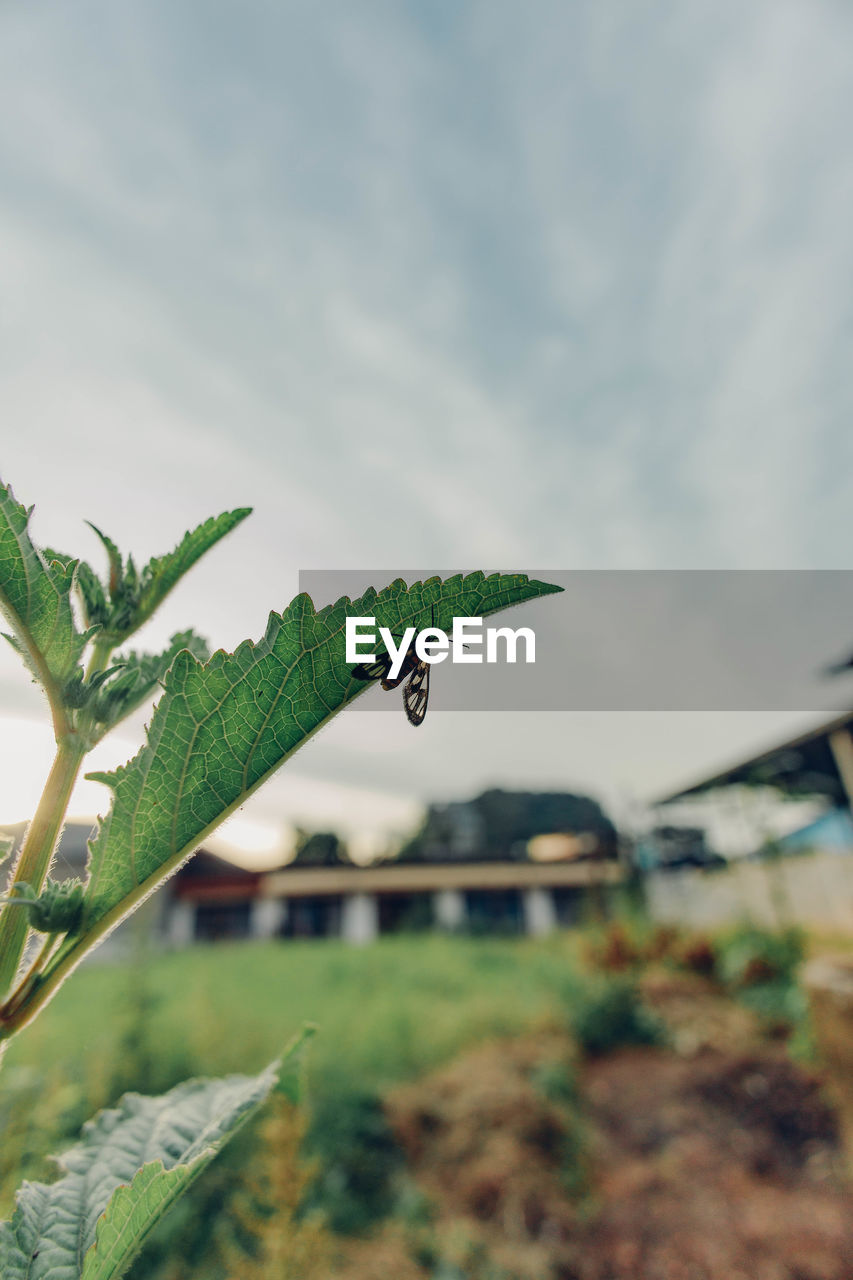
x,y
555,284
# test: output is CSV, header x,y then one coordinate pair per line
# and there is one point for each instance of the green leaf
x,y
116,573
135,595
95,608
89,588
160,574
131,1165
136,676
129,597
35,596
221,729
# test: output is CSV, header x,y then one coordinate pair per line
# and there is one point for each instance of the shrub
x,y
609,1014
358,1160
749,956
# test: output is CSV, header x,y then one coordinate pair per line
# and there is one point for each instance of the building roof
x,y
208,876
804,765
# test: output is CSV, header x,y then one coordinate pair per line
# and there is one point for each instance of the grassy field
x,y
388,1013
384,1012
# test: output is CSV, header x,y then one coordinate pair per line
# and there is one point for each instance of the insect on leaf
x,y
223,727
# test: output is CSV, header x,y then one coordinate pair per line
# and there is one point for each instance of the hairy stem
x,y
34,859
28,980
101,651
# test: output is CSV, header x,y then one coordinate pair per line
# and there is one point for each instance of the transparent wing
x,y
416,693
375,670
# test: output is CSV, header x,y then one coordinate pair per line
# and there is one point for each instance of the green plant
x,y
608,1012
761,967
271,1235
748,956
222,726
357,1159
557,1081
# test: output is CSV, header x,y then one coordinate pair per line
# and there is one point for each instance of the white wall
x,y
812,889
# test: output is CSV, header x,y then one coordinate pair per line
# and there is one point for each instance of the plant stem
x,y
36,853
101,651
25,985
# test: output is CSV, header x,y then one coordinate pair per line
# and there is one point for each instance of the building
x,y
505,862
804,877
210,899
817,763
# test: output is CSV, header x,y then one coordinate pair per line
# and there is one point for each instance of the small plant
x,y
613,950
609,1013
357,1160
749,956
628,943
760,967
223,725
268,1234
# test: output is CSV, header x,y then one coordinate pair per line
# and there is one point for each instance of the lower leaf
x,y
132,1164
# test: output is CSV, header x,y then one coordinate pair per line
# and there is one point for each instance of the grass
x,y
385,1012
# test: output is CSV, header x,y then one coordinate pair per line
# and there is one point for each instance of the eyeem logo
x,y
434,645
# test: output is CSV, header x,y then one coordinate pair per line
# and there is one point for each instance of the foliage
x,y
447,993
749,956
357,1156
131,1163
557,1080
607,1013
223,725
761,967
629,942
496,825
320,849
264,1231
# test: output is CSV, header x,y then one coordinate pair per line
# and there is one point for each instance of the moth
x,y
414,671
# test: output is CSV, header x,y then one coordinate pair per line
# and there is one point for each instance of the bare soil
x,y
717,1159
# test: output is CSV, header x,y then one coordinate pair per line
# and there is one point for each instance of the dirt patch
x,y
698,1015
489,1146
715,1167
712,1166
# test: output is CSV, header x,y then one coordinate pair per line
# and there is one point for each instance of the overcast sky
x,y
557,283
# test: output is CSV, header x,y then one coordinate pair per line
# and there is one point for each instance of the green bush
x,y
358,1159
750,957
610,1013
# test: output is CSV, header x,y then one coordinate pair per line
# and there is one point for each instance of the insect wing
x,y
374,671
416,693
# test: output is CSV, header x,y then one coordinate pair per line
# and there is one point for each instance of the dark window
x,y
314,917
569,906
215,921
494,910
405,912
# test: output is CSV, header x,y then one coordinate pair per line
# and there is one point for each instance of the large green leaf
x,y
223,727
35,596
132,1163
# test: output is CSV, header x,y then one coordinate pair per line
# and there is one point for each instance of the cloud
x,y
430,284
